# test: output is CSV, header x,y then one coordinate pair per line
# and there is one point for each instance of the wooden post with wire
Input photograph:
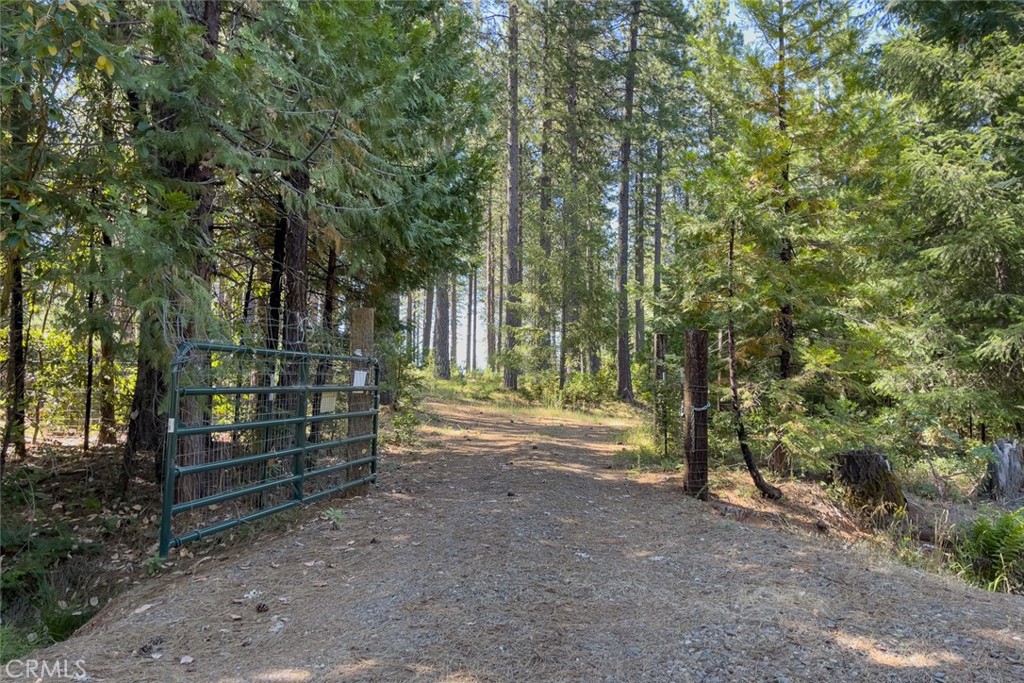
x,y
695,413
360,344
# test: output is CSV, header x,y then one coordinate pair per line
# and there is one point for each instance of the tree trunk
x,y
146,421
544,318
660,402
624,384
512,313
89,356
489,306
428,320
442,362
499,339
296,266
410,327
766,489
657,220
323,366
779,460
570,299
14,430
639,277
454,324
695,414
471,322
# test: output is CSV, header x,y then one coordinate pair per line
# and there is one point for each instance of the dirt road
x,y
507,550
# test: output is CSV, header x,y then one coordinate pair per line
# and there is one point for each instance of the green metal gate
x,y
256,431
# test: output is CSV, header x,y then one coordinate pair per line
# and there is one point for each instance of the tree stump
x,y
871,483
1005,476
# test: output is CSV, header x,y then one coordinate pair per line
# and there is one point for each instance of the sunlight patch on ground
x,y
284,676
354,668
880,654
1013,639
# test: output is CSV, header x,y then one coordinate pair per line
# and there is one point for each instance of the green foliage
x,y
643,451
992,554
31,551
584,391
404,424
16,642
959,69
335,516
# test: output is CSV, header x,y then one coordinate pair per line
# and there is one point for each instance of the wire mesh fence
x,y
256,431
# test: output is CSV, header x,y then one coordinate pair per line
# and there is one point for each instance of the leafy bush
x,y
992,554
403,426
585,391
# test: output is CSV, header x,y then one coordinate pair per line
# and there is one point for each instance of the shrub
x,y
992,553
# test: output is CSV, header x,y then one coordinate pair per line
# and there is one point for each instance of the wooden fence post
x,y
360,344
695,413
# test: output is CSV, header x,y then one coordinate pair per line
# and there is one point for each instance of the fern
x,y
992,555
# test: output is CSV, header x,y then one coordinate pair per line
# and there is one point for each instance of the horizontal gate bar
x,y
231,495
290,389
260,457
185,348
276,422
177,541
340,466
368,479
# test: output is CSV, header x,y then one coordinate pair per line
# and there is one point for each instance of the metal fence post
x,y
170,454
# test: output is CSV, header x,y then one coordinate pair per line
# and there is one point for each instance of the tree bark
x,y
410,327
695,414
489,306
570,299
660,402
454,323
442,362
499,339
766,489
624,384
779,460
146,421
545,319
658,158
323,366
428,320
639,277
108,368
296,266
512,313
470,322
14,431
89,367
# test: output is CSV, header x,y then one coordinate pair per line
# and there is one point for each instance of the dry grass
x,y
506,548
